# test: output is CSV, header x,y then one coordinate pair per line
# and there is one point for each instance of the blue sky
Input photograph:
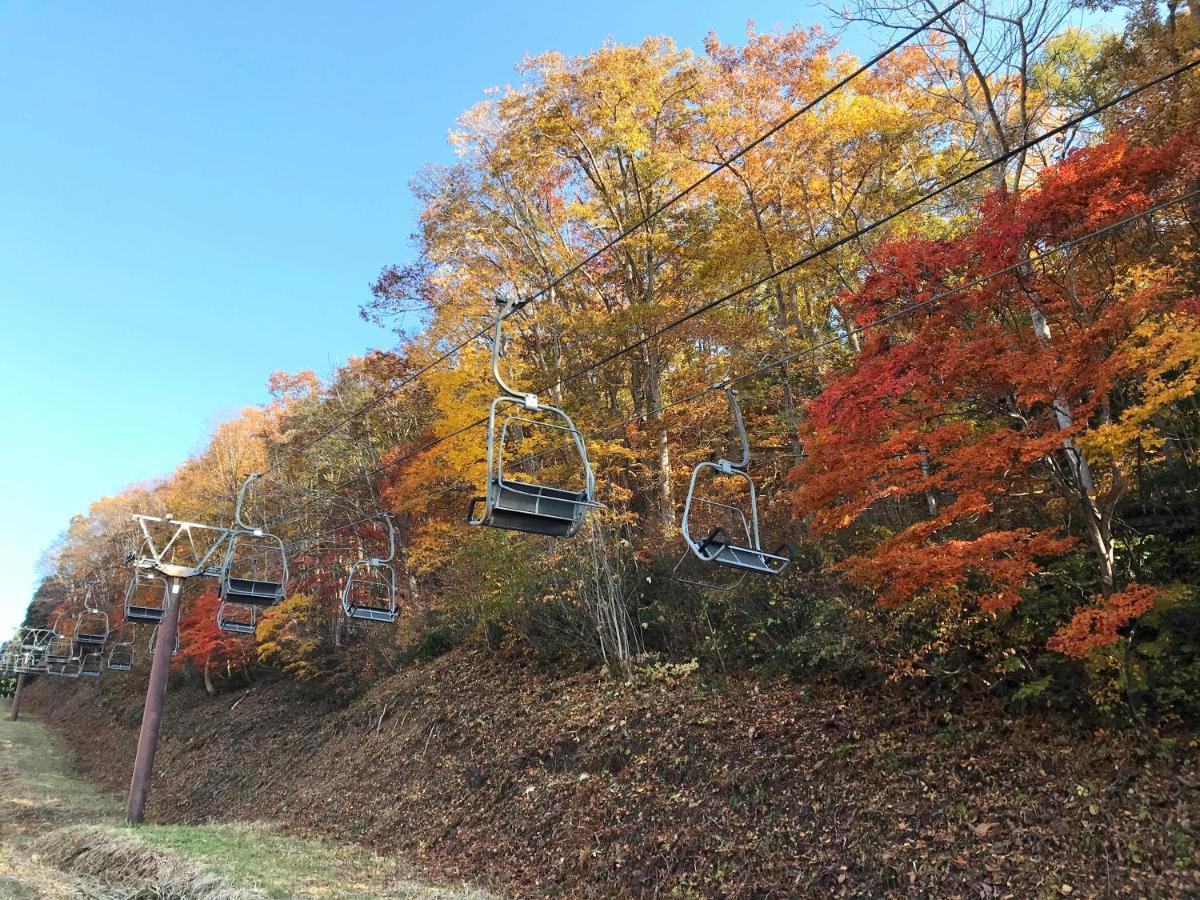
x,y
196,195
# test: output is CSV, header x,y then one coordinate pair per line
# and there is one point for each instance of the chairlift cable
x,y
801,261
808,106
857,330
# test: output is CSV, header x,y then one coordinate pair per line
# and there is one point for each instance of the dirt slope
x,y
490,771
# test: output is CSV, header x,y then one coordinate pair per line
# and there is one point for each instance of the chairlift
x,y
92,664
237,618
154,641
91,626
36,638
120,656
29,650
61,650
719,547
255,568
68,666
370,590
146,598
53,625
517,505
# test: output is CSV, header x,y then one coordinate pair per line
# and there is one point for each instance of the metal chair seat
x,y
91,665
369,614
717,548
245,625
369,593
30,662
142,587
62,650
92,626
120,656
533,508
143,615
251,592
254,572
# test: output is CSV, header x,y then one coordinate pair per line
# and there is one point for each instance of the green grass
x,y
258,856
48,814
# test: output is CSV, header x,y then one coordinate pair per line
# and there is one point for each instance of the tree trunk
x,y
666,494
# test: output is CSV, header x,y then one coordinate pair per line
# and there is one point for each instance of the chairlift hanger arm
x,y
241,500
736,409
529,401
391,531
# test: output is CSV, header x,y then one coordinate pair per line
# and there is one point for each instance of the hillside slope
x,y
62,838
491,771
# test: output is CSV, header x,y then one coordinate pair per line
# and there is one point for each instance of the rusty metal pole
x,y
143,764
16,707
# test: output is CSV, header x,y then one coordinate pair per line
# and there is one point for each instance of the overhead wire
x,y
801,261
624,233
858,330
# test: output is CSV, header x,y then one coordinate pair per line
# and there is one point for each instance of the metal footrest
x,y
533,508
251,592
369,614
716,548
143,615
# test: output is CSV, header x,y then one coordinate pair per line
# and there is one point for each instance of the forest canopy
x,y
956,295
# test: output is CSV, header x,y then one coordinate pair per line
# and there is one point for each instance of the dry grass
x,y
130,867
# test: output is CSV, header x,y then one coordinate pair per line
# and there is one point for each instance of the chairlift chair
x,y
120,656
30,650
154,641
91,664
60,650
370,590
744,552
65,667
146,598
36,638
516,505
91,626
237,618
255,568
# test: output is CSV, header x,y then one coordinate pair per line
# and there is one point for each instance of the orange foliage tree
x,y
989,423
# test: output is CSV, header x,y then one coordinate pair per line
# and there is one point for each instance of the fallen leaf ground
x,y
490,770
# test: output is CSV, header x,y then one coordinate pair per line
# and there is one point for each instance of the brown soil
x,y
489,770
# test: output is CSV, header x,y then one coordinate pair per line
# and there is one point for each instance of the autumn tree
x,y
958,373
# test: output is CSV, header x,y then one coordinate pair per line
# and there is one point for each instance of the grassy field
x,y
61,837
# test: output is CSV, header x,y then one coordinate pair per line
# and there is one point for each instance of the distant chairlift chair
x,y
146,598
91,627
237,618
92,664
154,641
60,650
255,568
370,589
120,656
718,547
521,505
64,658
32,650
